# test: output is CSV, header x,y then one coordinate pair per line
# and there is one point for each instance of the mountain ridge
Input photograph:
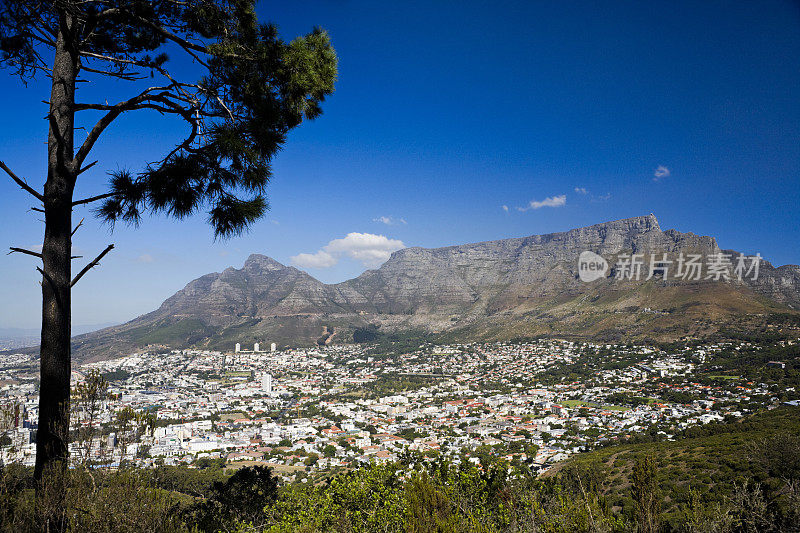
x,y
496,289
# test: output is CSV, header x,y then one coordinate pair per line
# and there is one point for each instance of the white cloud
x,y
581,190
505,208
553,201
390,221
369,249
321,259
661,172
145,258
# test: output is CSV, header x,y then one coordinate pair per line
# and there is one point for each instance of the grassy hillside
x,y
710,467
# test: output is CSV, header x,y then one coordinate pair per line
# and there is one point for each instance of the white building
x,y
266,383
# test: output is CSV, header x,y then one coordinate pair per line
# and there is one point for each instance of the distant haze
x,y
19,334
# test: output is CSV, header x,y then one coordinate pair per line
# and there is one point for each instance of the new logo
x,y
591,266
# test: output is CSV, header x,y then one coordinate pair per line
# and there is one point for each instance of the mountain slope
x,y
489,290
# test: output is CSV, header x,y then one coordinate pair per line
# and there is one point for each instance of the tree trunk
x,y
52,437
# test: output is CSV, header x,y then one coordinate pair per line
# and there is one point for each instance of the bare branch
x,y
91,265
112,59
141,97
24,251
186,144
42,37
21,182
142,100
134,76
76,228
94,199
134,107
120,64
180,87
87,167
37,209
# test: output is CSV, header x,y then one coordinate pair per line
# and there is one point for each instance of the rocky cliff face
x,y
448,279
262,287
496,288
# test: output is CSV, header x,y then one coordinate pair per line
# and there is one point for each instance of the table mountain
x,y
489,290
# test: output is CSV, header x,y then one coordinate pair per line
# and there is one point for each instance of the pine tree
x,y
250,88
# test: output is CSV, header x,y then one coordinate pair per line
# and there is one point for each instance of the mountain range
x,y
495,290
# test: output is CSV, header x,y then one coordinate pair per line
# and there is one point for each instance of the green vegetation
x,y
707,468
752,363
187,330
392,343
388,384
741,475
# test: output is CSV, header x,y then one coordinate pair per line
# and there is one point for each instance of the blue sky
x,y
444,113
